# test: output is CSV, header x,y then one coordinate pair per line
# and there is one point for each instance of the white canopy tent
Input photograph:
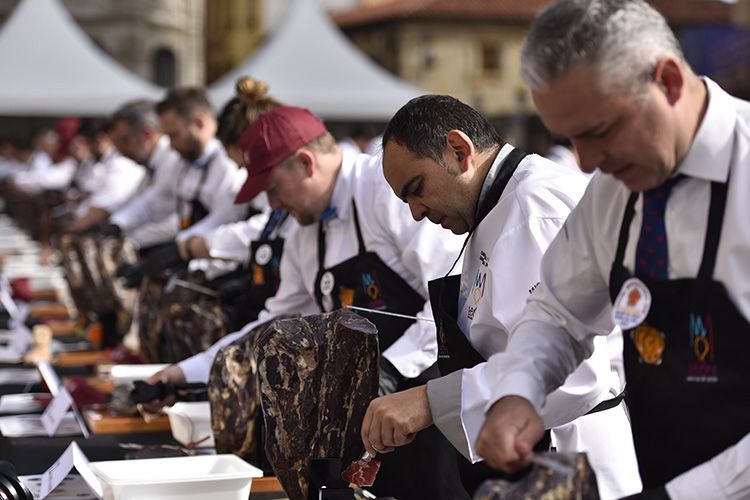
x,y
308,62
51,67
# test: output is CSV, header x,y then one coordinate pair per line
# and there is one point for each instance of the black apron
x,y
244,295
265,259
426,468
191,210
695,403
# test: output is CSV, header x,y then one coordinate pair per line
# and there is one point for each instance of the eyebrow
x,y
595,130
407,187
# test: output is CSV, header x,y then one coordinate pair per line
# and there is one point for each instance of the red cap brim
x,y
252,187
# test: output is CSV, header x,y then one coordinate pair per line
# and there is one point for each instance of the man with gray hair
x,y
137,135
658,245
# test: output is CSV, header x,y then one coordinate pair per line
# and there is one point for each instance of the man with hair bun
x,y
658,245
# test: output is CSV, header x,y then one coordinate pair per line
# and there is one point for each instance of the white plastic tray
x,y
214,477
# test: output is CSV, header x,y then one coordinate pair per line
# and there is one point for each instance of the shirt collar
x,y
711,150
159,152
203,160
493,171
342,190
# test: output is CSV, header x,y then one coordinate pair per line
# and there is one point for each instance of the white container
x,y
125,374
214,477
190,422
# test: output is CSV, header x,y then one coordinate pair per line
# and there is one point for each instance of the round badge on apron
x,y
632,304
327,282
263,255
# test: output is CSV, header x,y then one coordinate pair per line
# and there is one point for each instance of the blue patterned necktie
x,y
651,254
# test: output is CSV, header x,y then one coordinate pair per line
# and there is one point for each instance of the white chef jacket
x,y
175,178
89,175
501,269
121,180
417,251
28,179
572,305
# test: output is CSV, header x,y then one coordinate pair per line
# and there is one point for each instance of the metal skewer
x,y
386,313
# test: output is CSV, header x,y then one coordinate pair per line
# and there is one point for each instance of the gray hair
x,y
621,40
138,115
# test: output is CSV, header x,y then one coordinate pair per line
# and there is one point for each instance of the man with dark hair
x,y
658,245
201,187
120,180
356,246
449,164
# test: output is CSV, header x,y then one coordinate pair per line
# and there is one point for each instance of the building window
x,y
164,67
490,57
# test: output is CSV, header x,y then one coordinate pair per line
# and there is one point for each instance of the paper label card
x,y
49,376
73,456
56,410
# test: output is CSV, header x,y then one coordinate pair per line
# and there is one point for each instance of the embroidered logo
x,y
702,349
470,313
442,343
373,290
531,290
480,280
483,259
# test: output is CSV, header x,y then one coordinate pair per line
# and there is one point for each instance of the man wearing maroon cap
x,y
357,246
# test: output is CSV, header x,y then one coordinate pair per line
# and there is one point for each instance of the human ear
x,y
669,77
460,147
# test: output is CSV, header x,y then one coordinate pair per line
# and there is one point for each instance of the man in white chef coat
x,y
449,164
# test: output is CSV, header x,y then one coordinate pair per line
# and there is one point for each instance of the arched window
x,y
164,67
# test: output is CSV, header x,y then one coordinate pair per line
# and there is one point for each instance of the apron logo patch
x,y
702,364
259,277
650,344
374,292
442,344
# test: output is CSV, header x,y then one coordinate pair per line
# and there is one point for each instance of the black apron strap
x,y
713,231
608,404
321,245
360,240
507,169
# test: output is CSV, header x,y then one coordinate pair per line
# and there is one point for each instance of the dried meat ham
x,y
362,472
317,376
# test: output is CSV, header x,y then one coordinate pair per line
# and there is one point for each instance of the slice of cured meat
x,y
362,472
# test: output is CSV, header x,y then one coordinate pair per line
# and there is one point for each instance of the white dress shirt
x,y
572,305
175,178
500,270
417,251
121,180
163,164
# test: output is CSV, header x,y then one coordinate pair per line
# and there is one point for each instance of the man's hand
x,y
173,374
395,419
511,429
